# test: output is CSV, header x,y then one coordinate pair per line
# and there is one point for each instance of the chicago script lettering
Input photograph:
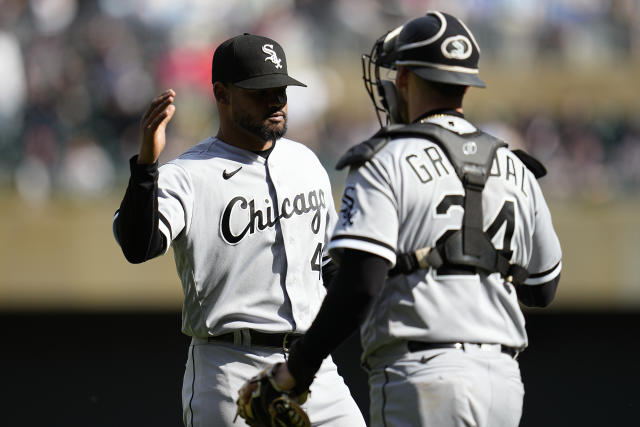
x,y
243,211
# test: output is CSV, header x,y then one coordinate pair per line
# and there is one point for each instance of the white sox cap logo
x,y
456,47
268,49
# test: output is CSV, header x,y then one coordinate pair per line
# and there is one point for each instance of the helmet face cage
x,y
381,56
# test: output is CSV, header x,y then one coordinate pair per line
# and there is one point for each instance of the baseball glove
x,y
261,403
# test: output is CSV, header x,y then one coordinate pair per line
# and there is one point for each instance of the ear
x,y
221,93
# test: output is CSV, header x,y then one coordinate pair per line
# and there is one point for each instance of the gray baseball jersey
x,y
248,235
407,197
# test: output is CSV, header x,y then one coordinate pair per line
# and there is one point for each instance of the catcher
x,y
443,231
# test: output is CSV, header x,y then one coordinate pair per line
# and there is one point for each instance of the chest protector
x,y
472,157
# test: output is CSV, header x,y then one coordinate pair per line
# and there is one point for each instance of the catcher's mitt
x,y
261,403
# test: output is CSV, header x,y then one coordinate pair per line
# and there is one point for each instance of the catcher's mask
x,y
437,47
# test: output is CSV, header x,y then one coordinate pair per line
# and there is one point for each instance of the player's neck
x,y
439,112
427,109
420,102
243,139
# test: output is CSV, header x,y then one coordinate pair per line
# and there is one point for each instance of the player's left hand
x,y
267,400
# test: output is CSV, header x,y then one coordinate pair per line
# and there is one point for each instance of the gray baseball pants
x,y
475,386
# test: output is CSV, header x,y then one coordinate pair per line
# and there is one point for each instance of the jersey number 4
x,y
505,215
316,260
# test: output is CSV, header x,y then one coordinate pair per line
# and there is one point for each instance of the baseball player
x,y
442,231
249,215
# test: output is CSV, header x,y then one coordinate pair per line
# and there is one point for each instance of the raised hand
x,y
153,126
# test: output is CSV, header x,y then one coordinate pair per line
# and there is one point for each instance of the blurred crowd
x,y
77,75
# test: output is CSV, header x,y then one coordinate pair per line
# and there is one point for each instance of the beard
x,y
265,132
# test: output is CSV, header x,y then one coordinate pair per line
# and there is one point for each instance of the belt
x,y
421,346
250,338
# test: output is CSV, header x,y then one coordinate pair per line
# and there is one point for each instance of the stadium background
x,y
90,340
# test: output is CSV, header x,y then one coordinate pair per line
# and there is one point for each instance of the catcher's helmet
x,y
437,47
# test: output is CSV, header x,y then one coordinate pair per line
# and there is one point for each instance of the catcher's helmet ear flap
x,y
390,100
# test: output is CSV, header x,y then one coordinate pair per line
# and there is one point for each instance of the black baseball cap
x,y
251,62
439,47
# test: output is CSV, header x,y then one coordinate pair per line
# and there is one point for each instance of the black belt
x,y
250,338
421,346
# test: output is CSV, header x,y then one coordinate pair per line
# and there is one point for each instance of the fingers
x,y
244,394
152,126
163,117
283,377
157,108
157,100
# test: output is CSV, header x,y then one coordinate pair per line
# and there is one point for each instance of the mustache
x,y
274,111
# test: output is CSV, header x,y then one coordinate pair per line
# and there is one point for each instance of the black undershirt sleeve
x,y
359,280
136,224
538,295
329,271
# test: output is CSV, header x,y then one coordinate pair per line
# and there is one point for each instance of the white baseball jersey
x,y
248,235
407,197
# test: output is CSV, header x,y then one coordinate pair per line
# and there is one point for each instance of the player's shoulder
x,y
206,148
185,163
445,125
390,143
199,151
521,158
298,154
211,149
376,146
292,147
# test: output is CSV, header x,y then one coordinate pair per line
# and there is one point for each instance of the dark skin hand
x,y
153,127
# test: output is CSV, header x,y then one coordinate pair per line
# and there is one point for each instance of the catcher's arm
x,y
359,280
